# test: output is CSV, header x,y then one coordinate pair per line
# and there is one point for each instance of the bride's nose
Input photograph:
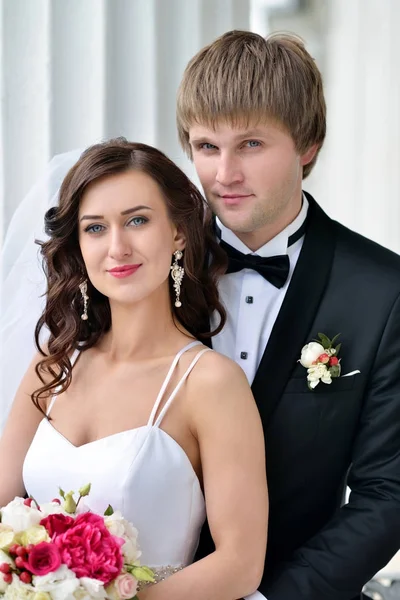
x,y
120,246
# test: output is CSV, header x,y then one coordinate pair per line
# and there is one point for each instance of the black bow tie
x,y
274,269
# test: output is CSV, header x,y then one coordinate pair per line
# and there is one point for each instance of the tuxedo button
x,y
249,299
243,355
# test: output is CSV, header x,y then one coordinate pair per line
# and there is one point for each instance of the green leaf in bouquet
x,y
325,341
143,574
109,511
62,493
337,349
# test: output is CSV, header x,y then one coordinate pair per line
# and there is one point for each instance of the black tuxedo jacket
x,y
317,440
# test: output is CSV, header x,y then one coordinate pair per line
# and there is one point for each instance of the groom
x,y
251,115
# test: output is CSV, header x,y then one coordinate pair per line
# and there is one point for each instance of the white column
x,y
2,110
25,96
76,73
130,79
358,176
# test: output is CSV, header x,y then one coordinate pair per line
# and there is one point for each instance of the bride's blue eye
x,y
94,228
137,221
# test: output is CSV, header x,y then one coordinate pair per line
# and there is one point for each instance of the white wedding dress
x,y
143,472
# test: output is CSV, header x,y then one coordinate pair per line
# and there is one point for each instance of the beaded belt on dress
x,y
161,573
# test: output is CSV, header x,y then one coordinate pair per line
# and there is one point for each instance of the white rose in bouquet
x,y
61,584
19,516
52,508
93,588
120,527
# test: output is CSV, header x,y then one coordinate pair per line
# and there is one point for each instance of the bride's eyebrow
x,y
124,212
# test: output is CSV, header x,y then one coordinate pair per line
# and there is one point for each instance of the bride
x,y
124,395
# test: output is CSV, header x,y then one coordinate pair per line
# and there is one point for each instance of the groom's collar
x,y
278,244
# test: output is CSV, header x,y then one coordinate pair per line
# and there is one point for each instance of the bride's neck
x,y
141,330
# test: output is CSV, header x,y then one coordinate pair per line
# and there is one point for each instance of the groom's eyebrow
x,y
124,212
245,134
199,140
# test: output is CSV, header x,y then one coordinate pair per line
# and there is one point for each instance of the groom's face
x,y
251,177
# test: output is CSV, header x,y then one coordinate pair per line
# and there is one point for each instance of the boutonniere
x,y
320,358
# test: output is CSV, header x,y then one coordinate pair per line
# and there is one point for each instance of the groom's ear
x,y
308,156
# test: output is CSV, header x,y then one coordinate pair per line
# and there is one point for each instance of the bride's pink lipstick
x,y
123,271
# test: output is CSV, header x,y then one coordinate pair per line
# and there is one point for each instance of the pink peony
x,y
43,558
89,549
57,524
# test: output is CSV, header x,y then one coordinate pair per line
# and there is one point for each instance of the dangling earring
x,y
177,273
83,288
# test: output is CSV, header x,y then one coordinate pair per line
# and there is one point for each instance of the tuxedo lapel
x,y
298,311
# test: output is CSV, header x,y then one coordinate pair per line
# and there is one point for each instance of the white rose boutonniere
x,y
310,354
321,360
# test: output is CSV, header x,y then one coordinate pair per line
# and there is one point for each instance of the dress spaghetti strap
x,y
179,385
168,379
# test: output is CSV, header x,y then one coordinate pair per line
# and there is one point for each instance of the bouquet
x,y
62,551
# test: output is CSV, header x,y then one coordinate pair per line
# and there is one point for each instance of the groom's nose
x,y
229,170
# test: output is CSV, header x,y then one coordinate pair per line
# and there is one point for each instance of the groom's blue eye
x,y
253,143
207,146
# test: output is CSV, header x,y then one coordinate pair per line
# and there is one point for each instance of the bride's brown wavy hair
x,y
64,267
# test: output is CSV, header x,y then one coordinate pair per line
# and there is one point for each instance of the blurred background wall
x,y
75,71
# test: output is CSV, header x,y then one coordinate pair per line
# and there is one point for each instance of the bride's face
x,y
126,236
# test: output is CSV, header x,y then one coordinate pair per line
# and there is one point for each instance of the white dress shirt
x,y
253,303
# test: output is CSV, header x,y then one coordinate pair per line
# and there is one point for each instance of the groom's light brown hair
x,y
242,77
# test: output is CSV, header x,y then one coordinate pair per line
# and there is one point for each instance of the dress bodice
x,y
143,472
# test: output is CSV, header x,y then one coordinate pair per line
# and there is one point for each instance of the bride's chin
x,y
129,302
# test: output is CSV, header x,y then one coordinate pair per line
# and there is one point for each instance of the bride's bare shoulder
x,y
218,391
214,370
